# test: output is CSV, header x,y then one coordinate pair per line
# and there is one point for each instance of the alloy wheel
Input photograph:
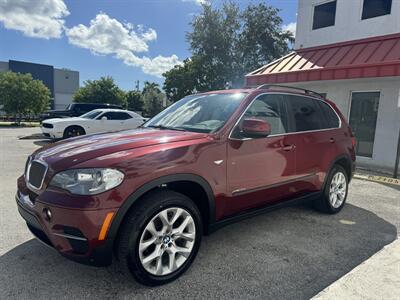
x,y
338,190
167,241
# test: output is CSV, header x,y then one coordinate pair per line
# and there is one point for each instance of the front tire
x,y
73,131
335,191
160,237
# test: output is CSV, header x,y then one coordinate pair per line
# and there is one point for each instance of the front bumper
x,y
51,133
73,233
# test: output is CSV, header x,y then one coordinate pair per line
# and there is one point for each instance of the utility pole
x,y
137,85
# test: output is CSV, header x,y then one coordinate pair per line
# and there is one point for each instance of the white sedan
x,y
95,121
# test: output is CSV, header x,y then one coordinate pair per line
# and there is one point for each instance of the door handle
x,y
288,147
331,140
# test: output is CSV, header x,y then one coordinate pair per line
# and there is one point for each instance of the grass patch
x,y
22,124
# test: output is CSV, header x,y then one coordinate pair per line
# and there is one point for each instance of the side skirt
x,y
258,211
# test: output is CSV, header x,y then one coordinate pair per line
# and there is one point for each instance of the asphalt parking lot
x,y
292,253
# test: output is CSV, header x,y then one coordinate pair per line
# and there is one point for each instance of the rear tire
x,y
73,131
151,244
335,191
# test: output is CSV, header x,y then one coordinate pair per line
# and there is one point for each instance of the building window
x,y
376,8
324,15
363,119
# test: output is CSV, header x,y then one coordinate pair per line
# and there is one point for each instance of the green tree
x,y
226,44
213,42
182,80
148,86
103,90
262,39
134,100
21,95
152,99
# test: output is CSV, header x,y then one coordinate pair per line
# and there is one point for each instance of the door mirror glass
x,y
255,128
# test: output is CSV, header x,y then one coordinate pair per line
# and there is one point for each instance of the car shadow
x,y
292,253
42,143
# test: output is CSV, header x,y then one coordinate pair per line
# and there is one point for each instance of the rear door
x,y
260,170
316,132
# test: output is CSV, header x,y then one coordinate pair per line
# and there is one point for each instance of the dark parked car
x,y
147,195
75,110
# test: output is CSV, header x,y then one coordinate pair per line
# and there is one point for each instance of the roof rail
x,y
305,91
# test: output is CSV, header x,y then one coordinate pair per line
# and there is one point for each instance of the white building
x,y
350,51
62,83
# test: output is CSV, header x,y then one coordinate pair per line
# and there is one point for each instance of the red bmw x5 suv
x,y
146,196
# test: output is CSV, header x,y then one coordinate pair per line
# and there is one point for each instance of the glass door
x,y
363,117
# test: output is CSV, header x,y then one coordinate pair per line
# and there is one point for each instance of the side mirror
x,y
255,128
104,118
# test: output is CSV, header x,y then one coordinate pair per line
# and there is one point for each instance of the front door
x,y
260,169
363,117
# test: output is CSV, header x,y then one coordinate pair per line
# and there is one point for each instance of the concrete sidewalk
x,y
376,278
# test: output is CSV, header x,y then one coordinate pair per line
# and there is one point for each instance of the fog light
x,y
47,214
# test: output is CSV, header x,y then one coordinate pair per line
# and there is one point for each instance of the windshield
x,y
91,114
199,113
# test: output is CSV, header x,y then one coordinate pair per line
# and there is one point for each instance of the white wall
x,y
388,122
66,81
348,24
3,66
61,101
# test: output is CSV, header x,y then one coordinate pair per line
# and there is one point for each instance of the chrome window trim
x,y
69,236
288,133
28,170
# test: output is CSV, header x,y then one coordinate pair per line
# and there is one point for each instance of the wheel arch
x,y
173,182
71,126
346,162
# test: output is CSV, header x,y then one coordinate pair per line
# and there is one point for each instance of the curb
x,y
381,179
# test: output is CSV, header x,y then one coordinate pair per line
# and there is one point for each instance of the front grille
x,y
36,172
47,125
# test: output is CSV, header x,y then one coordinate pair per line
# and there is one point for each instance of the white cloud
x,y
105,36
35,18
290,27
154,66
198,2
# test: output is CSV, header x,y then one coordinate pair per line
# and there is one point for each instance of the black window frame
x,y
315,14
372,12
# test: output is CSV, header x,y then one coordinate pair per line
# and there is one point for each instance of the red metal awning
x,y
372,57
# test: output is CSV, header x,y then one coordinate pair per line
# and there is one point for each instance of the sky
x,y
127,39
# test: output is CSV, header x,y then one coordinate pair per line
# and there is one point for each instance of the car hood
x,y
68,153
62,120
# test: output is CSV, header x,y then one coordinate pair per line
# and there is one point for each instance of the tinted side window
x,y
121,116
116,116
269,108
331,117
306,113
108,115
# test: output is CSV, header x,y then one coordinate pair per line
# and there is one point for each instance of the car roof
x,y
113,110
269,89
99,104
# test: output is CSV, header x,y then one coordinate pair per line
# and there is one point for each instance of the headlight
x,y
87,181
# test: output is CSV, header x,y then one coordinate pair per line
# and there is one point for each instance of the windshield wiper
x,y
166,127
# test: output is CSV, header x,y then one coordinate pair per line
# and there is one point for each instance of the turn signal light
x,y
106,225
